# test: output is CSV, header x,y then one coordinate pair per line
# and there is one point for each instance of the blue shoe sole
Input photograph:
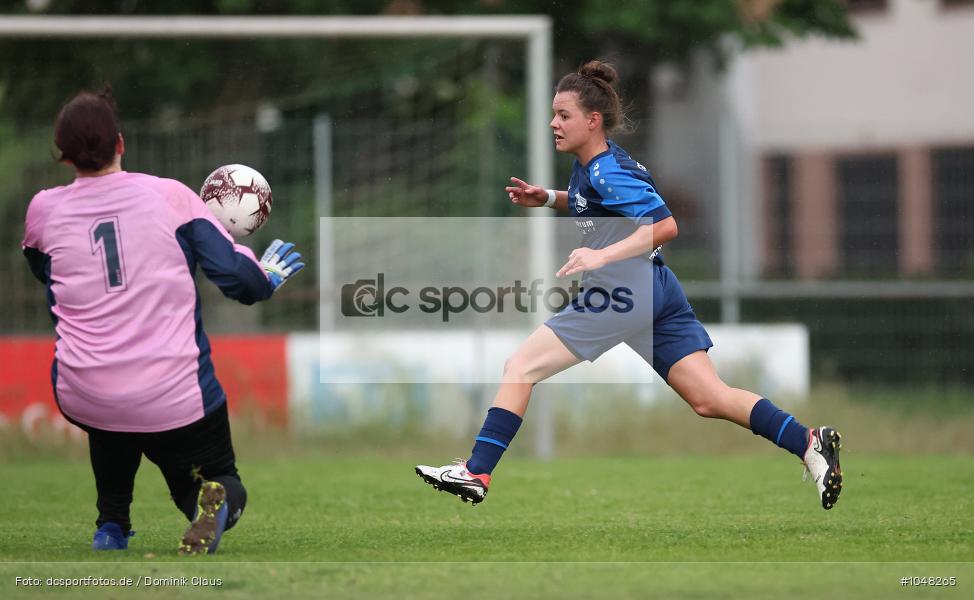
x,y
108,543
110,538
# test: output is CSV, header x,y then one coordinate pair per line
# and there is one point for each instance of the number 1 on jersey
x,y
104,239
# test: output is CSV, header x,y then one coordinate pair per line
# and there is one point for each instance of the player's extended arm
x,y
642,241
238,275
532,196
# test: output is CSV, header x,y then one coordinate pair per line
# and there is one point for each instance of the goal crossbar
x,y
523,27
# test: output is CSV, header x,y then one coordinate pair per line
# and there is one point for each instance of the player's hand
x,y
582,259
525,194
280,263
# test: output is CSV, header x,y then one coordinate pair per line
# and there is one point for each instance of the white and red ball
x,y
239,197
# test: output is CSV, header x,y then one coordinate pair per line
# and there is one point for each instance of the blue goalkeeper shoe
x,y
204,533
110,537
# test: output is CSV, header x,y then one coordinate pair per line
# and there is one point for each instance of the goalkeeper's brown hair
x,y
87,129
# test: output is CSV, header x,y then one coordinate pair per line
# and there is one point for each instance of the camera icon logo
x,y
364,298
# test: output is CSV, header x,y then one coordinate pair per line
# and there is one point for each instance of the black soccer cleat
x,y
822,462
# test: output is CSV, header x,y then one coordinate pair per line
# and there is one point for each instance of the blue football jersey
x,y
611,196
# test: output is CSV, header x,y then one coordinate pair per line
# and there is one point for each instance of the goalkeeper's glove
x,y
280,263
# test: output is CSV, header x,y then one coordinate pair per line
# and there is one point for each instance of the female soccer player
x,y
624,221
117,252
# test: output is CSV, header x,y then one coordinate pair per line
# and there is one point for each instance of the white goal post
x,y
534,30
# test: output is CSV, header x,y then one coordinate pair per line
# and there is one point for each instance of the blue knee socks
x,y
774,424
499,429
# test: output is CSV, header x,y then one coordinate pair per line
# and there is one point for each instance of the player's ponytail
x,y
594,82
87,130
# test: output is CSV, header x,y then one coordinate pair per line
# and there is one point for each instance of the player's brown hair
x,y
594,82
87,129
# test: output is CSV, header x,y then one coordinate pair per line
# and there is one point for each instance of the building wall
x,y
830,137
908,80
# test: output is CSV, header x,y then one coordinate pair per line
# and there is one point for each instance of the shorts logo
x,y
581,204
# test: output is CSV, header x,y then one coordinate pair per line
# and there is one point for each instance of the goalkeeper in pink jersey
x,y
117,252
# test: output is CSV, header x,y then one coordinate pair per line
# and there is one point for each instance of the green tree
x,y
36,75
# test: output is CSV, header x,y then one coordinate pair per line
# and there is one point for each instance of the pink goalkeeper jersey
x,y
118,254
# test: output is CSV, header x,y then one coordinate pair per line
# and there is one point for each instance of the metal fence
x,y
396,148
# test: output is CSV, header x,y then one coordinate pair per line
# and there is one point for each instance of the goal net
x,y
345,117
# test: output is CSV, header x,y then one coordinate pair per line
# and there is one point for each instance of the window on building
x,y
866,6
953,197
780,259
868,200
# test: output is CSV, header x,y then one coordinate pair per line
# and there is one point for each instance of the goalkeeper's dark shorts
x,y
186,456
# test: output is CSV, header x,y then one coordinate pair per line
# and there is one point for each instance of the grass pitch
x,y
693,527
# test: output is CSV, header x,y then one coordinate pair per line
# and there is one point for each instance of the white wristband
x,y
551,198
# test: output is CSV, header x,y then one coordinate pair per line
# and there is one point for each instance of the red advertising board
x,y
251,368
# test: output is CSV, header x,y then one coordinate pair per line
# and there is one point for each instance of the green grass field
x,y
693,527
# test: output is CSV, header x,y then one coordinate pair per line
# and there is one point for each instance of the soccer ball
x,y
239,197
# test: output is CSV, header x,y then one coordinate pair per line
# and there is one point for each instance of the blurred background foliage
x,y
178,79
